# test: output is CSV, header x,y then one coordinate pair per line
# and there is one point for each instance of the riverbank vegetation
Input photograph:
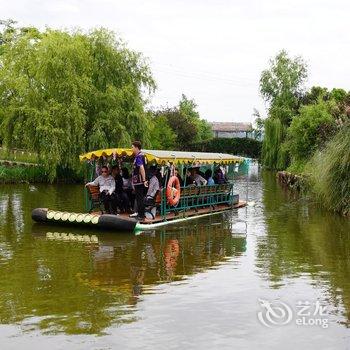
x,y
22,174
18,155
329,172
243,146
307,132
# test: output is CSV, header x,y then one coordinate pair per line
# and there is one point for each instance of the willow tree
x,y
273,153
282,87
63,93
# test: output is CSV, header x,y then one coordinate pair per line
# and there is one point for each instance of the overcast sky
x,y
212,51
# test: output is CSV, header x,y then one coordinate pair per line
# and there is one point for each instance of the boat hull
x,y
122,222
104,221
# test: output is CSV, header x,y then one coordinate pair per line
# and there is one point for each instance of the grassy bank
x,y
17,155
22,174
329,173
37,174
326,175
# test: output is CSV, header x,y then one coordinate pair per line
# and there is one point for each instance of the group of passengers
x,y
120,192
196,177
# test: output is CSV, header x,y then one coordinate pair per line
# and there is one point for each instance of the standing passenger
x,y
139,179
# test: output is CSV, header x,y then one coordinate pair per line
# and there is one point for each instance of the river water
x,y
276,273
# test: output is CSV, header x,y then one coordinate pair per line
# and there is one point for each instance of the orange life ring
x,y
173,191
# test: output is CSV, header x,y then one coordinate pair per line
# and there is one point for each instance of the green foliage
x,y
183,128
185,125
282,86
18,156
259,125
22,174
64,93
309,131
297,167
339,95
329,170
162,135
274,155
314,95
204,130
238,146
187,109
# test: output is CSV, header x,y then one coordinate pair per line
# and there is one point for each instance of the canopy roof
x,y
161,157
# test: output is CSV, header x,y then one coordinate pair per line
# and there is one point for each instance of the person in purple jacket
x,y
139,179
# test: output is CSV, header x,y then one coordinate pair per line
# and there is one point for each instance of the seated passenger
x,y
153,188
189,178
106,185
198,179
177,174
118,178
117,196
209,178
219,176
127,189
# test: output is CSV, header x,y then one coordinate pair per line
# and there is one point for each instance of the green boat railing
x,y
195,197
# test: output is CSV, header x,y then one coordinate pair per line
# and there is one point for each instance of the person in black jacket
x,y
117,196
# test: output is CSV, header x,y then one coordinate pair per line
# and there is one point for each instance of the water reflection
x,y
75,287
294,249
304,240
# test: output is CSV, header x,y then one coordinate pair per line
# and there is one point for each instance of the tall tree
x,y
188,109
184,130
282,86
63,93
162,135
186,125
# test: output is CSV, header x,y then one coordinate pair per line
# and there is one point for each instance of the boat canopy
x,y
161,157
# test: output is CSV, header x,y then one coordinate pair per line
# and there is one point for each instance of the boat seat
x,y
228,188
204,189
94,196
212,189
158,198
189,191
224,188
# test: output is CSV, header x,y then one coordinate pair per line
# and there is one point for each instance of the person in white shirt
x,y
198,179
106,183
153,188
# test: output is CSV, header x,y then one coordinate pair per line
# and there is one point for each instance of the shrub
x,y
329,170
309,131
239,146
22,174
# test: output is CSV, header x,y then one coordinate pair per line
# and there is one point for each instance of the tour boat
x,y
174,203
